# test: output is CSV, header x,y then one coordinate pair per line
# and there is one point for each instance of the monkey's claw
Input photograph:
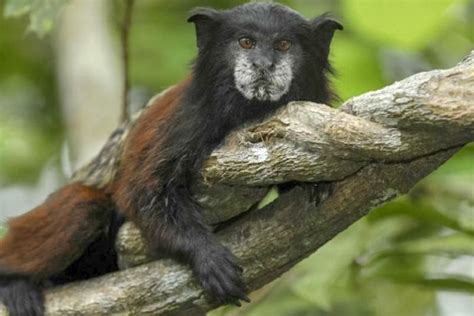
x,y
318,192
220,275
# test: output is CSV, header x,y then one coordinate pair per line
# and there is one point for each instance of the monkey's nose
x,y
263,64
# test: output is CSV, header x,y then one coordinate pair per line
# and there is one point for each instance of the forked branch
x,y
375,147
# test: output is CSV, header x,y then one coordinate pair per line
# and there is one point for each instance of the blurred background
x,y
60,97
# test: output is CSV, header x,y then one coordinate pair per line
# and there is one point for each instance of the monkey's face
x,y
264,65
268,49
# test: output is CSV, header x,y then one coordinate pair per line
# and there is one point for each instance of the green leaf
x,y
425,213
358,71
453,283
328,271
410,24
455,244
43,13
271,196
460,166
15,8
388,298
282,302
446,282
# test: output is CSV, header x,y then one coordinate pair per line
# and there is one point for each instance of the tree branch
x,y
375,147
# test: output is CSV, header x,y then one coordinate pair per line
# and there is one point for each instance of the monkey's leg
x,y
45,241
175,227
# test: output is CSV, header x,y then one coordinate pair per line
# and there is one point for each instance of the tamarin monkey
x,y
252,59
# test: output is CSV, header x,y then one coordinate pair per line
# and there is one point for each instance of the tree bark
x,y
375,147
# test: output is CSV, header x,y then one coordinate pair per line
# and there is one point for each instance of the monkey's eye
x,y
246,43
283,45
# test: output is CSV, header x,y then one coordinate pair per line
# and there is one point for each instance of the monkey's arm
x,y
164,151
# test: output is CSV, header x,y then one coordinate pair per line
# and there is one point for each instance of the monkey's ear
x,y
205,20
324,27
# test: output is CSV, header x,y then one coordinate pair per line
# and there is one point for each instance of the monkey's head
x,y
265,48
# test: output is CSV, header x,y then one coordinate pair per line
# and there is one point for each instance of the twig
x,y
125,32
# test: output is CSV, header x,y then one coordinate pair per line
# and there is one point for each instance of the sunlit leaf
x,y
271,196
410,24
357,67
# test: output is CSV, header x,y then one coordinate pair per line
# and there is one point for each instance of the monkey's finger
x,y
244,297
236,303
232,260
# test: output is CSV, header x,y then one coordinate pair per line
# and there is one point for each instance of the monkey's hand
x,y
318,192
219,274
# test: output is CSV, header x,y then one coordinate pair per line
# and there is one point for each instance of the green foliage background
x,y
394,261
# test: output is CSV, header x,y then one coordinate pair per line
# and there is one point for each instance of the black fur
x,y
99,258
21,296
169,217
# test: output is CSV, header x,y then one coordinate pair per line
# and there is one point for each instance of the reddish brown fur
x,y
48,238
143,133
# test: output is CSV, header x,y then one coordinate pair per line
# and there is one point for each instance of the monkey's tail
x,y
46,241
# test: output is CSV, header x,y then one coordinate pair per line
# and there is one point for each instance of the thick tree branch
x,y
267,242
375,147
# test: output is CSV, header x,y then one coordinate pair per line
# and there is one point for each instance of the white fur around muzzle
x,y
267,86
